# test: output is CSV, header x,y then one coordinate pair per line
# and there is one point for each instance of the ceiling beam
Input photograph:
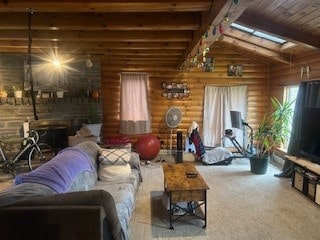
x,y
287,46
267,25
105,6
255,49
247,37
99,35
94,45
212,18
102,21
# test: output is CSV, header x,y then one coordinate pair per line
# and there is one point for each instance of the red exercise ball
x,y
147,146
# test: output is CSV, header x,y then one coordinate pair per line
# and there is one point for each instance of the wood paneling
x,y
296,21
282,74
131,31
255,76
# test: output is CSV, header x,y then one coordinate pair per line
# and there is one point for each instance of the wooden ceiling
x,y
162,33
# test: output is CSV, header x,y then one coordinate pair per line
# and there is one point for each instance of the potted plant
x,y
3,92
273,130
59,91
17,91
93,122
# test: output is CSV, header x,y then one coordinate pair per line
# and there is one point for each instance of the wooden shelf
x,y
307,164
175,90
54,100
306,177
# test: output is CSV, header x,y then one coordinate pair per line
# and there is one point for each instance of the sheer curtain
x,y
218,102
134,108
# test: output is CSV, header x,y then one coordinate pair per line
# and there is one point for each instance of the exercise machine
x,y
237,122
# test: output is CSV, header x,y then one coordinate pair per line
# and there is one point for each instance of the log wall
x,y
282,75
255,76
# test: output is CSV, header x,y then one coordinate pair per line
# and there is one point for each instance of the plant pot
x,y
18,94
59,94
259,165
95,128
3,94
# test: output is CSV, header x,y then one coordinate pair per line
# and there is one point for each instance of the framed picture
x,y
46,77
208,64
234,70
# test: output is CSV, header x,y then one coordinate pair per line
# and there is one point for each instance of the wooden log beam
x,y
143,52
99,35
94,45
246,37
266,25
102,21
219,10
105,6
255,49
287,46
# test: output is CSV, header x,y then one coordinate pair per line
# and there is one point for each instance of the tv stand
x,y
306,176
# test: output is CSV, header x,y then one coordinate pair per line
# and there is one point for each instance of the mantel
x,y
28,101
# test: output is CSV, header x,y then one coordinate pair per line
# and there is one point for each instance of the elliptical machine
x,y
237,122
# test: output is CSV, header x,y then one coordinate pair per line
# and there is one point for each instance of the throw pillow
x,y
113,172
114,157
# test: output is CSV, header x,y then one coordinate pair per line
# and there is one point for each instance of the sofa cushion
x,y
114,156
124,197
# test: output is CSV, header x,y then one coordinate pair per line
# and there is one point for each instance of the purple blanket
x,y
59,172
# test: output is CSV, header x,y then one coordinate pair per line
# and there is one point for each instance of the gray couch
x,y
84,208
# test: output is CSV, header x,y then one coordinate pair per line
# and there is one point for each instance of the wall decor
x,y
208,64
234,70
175,90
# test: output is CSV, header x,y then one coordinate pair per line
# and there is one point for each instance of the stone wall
x,y
73,108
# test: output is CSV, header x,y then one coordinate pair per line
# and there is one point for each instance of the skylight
x,y
258,33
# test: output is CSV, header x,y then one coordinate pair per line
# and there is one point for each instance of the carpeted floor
x,y
241,206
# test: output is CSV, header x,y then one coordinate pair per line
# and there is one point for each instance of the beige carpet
x,y
241,205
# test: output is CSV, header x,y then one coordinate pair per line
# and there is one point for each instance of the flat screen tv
x,y
310,135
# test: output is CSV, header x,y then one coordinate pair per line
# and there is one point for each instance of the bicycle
x,y
37,154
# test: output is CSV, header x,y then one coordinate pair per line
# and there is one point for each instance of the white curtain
x,y
134,108
218,102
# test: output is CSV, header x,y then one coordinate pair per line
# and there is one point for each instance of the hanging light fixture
x,y
29,68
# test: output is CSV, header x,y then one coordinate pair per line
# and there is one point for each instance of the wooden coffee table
x,y
184,184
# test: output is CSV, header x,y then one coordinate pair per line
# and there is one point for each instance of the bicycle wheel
x,y
37,158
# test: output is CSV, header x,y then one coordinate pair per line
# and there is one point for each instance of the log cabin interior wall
x,y
157,36
255,76
283,74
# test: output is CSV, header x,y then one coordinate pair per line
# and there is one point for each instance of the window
x,y
134,107
290,94
258,33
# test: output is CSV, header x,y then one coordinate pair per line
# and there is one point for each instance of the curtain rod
x,y
303,80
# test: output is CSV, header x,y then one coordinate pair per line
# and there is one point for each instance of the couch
x,y
76,206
